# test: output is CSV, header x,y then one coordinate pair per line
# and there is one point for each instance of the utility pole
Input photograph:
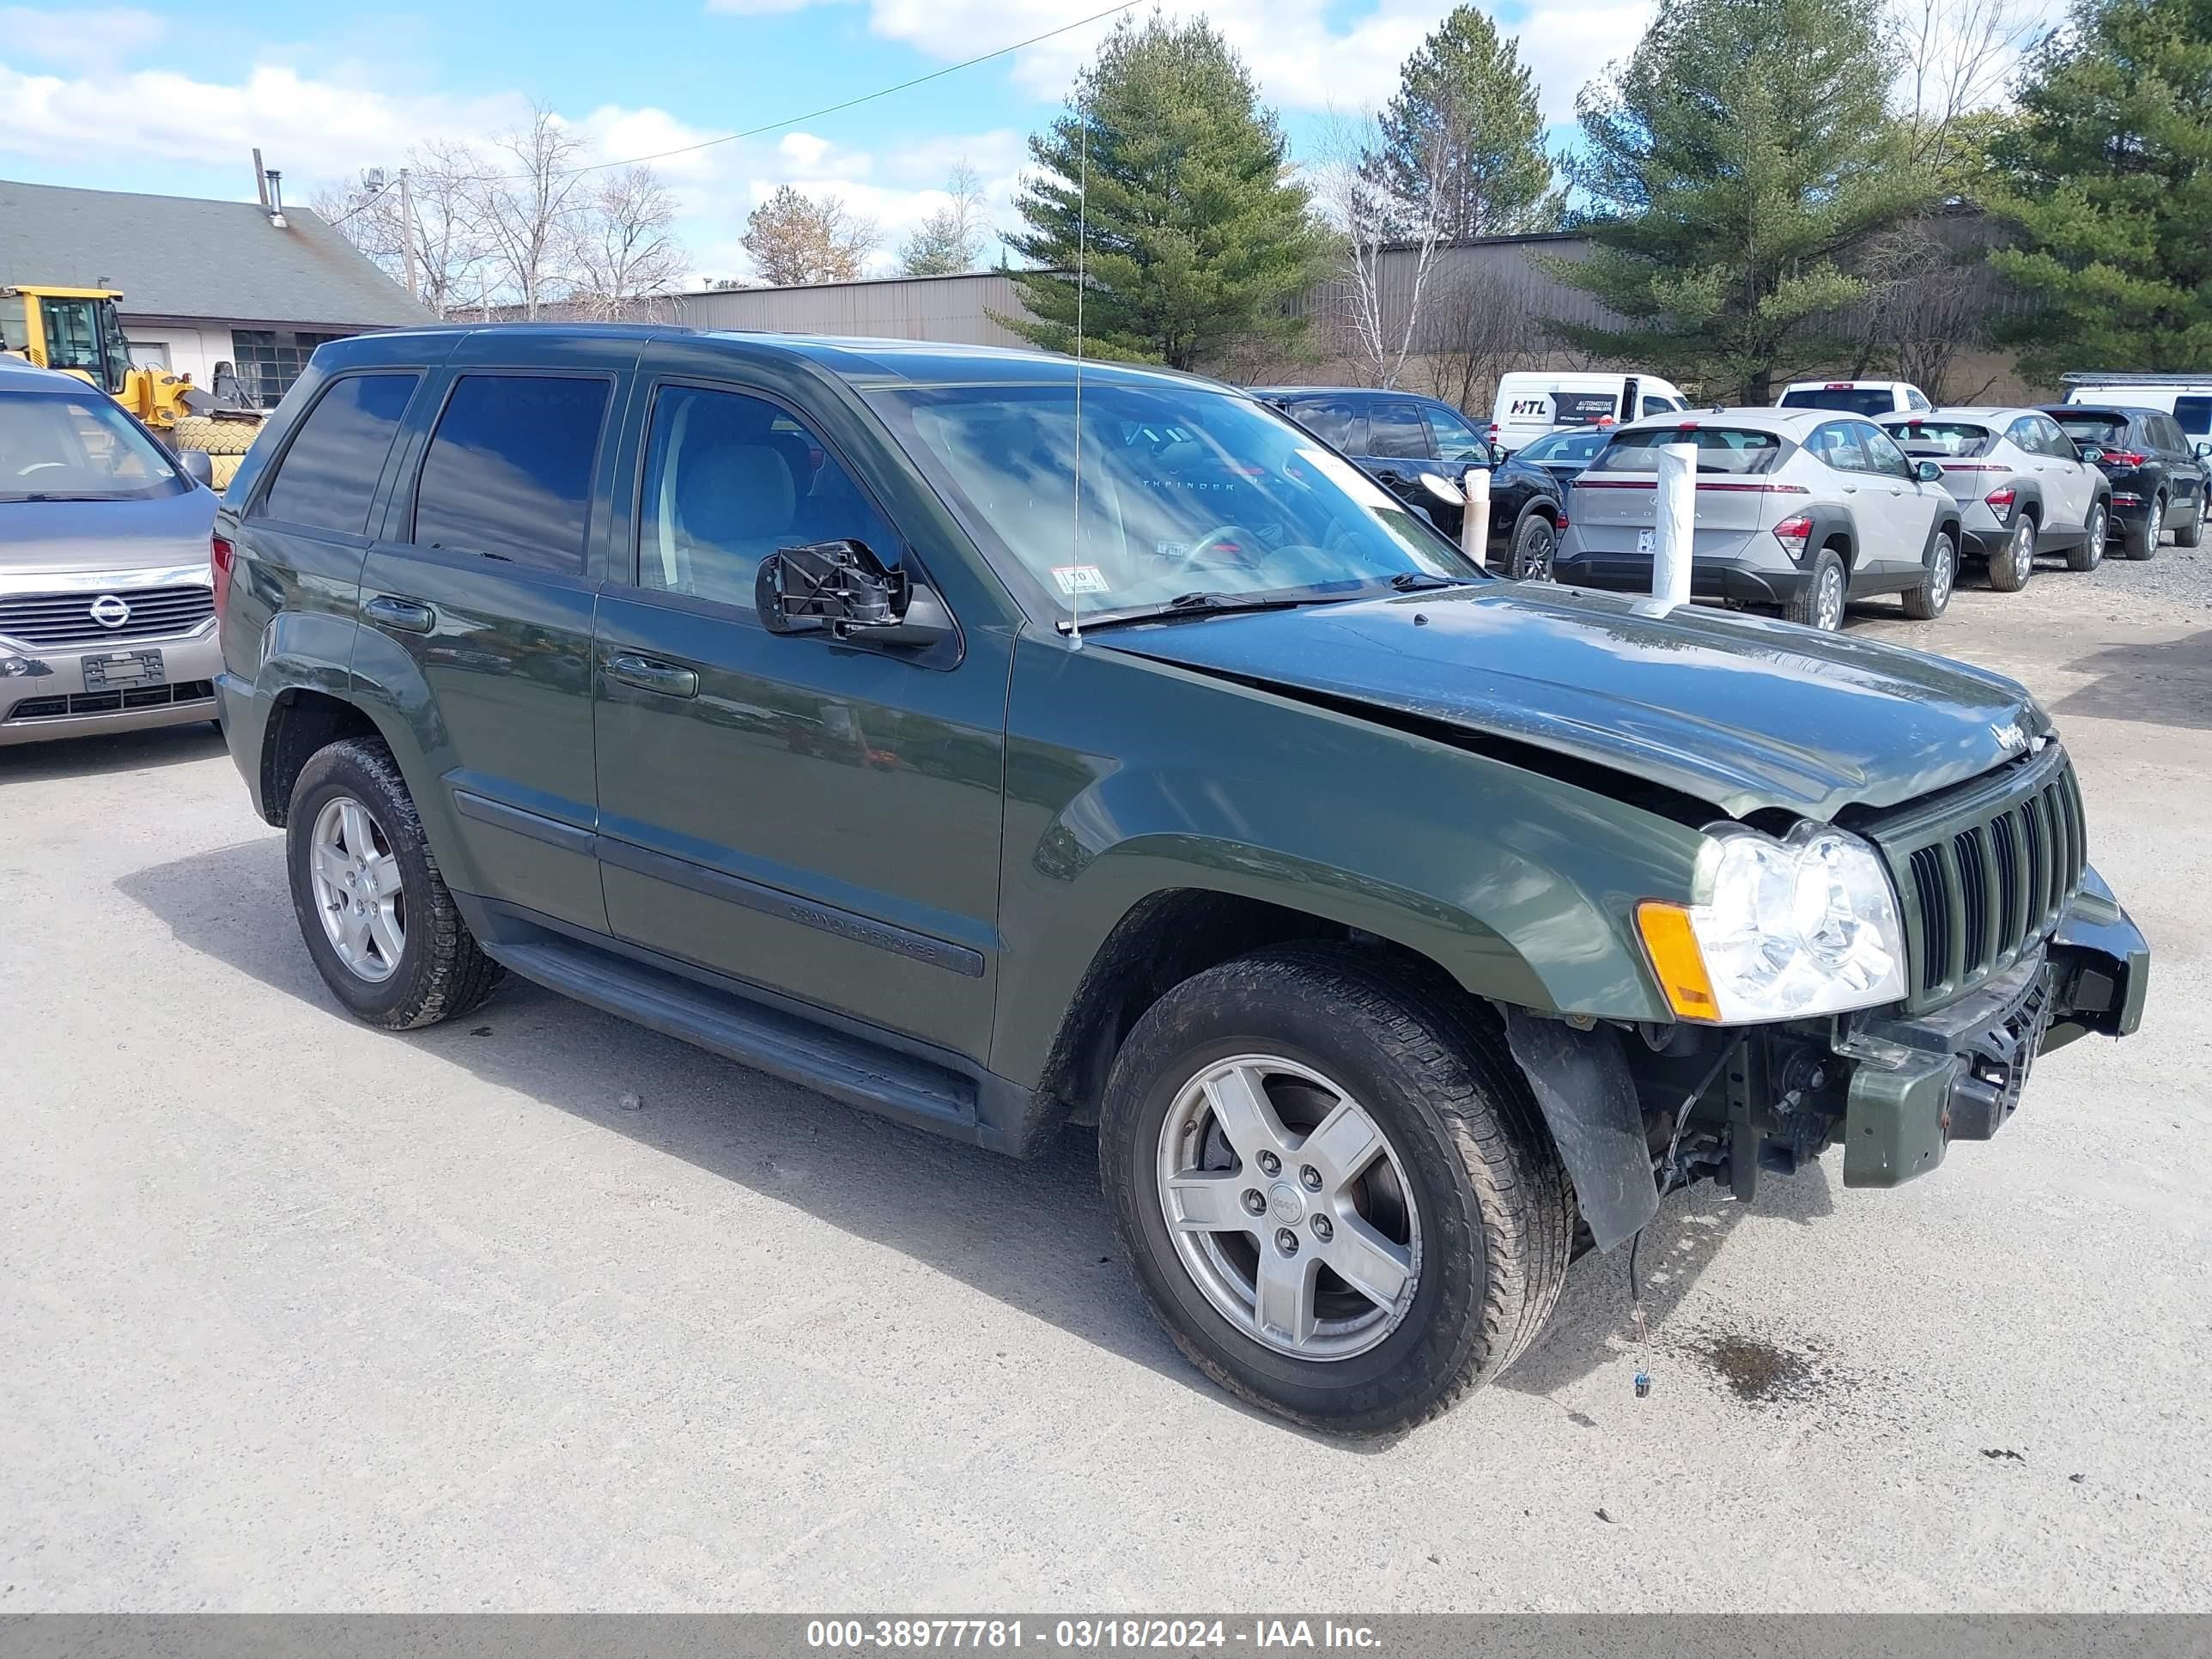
x,y
407,235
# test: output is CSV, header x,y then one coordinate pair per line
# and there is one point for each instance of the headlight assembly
x,y
1806,924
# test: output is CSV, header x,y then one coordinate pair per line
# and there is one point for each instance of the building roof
x,y
180,256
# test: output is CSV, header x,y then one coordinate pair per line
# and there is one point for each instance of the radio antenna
x,y
1082,252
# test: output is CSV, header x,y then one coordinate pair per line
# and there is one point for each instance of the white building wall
x,y
193,351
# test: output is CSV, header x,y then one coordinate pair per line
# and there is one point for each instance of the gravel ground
x,y
297,1315
2178,577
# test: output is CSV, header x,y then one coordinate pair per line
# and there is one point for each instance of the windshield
x,y
1941,437
1720,449
1185,490
1852,399
77,448
1565,448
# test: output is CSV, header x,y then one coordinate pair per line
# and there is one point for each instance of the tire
x,y
1466,1188
2089,552
1535,539
437,970
214,437
2191,532
1928,601
2011,567
1820,603
2140,541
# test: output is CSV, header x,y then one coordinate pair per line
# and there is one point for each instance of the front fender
x,y
1128,777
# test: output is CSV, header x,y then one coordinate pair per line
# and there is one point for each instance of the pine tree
x,y
1195,237
1734,163
2107,185
1466,130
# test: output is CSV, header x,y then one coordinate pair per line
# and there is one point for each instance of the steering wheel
x,y
1197,553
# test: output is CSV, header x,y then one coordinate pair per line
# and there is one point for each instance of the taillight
x,y
221,556
2001,500
2123,458
1793,533
1493,432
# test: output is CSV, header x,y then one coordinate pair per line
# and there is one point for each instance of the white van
x,y
2187,398
1531,405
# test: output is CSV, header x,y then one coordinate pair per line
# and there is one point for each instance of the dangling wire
x,y
1082,252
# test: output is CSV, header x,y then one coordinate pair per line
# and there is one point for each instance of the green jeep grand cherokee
x,y
998,754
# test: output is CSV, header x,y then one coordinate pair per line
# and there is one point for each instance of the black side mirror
x,y
1928,472
195,464
842,586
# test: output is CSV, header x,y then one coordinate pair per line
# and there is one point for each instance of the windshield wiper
x,y
1201,603
1420,581
45,496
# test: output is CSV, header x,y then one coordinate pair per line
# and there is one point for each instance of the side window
x,y
328,476
1395,431
2023,434
1840,446
509,474
2195,416
1455,440
1913,399
728,480
1657,405
2054,443
1334,422
1882,453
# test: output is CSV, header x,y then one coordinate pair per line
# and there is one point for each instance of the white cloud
x,y
92,37
1566,44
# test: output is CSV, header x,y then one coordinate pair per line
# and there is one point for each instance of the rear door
x,y
814,816
481,585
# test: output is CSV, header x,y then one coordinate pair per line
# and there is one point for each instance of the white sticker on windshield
x,y
1075,579
1167,550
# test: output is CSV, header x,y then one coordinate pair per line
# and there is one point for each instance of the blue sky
x,y
171,98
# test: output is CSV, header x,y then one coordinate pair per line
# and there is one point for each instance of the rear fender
x,y
387,686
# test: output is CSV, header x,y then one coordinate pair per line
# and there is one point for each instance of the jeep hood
x,y
1735,710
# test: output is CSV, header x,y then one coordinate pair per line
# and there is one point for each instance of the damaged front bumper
x,y
1957,1073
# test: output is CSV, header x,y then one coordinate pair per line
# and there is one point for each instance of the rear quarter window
x,y
1849,399
327,477
1720,449
509,474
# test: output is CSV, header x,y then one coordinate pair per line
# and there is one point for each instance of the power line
x,y
850,103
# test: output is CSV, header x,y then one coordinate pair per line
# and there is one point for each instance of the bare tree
x,y
370,212
952,239
527,205
1477,327
1959,55
795,240
627,258
1387,243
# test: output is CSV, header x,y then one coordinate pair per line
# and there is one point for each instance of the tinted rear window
x,y
2195,415
1941,437
1396,429
1563,448
509,470
1720,449
329,473
1331,420
1852,400
2091,429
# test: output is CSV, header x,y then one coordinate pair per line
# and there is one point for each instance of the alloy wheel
x,y
1940,577
358,892
1289,1207
2097,532
1829,606
2023,549
1535,561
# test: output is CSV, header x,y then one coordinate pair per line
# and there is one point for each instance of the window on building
x,y
270,360
509,472
328,474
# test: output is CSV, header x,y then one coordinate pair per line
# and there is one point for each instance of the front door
x,y
817,816
1907,506
2069,483
482,584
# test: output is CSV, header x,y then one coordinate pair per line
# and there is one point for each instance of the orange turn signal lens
x,y
1672,945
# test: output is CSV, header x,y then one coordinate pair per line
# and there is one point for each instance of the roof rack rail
x,y
2134,377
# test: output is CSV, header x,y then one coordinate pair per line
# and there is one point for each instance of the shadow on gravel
x,y
1030,1234
122,751
2166,683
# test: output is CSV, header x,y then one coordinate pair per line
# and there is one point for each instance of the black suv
x,y
1405,441
2158,479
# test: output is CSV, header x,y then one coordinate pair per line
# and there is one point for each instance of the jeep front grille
x,y
60,619
1983,871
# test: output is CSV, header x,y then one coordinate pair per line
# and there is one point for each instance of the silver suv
x,y
1800,509
107,602
2021,486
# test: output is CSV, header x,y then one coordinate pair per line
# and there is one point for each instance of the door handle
x,y
410,616
663,677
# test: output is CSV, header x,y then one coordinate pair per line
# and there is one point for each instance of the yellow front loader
x,y
77,331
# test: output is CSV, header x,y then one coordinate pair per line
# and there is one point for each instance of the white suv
x,y
1872,398
2021,486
